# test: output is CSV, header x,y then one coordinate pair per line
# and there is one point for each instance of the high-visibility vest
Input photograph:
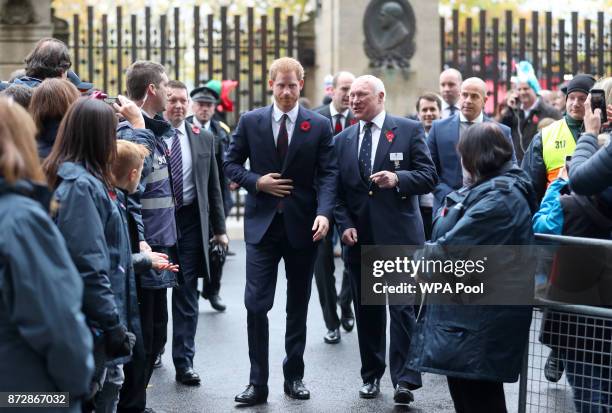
x,y
557,143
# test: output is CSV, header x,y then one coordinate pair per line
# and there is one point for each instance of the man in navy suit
x,y
445,133
383,164
340,116
291,188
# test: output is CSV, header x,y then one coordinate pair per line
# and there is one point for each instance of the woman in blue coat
x,y
45,345
88,216
478,347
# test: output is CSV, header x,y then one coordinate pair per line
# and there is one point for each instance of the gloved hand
x,y
118,341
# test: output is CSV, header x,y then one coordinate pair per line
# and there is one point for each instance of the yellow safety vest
x,y
557,143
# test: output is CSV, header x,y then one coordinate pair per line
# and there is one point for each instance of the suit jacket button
x,y
370,193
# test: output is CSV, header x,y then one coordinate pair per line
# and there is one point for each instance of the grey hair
x,y
376,83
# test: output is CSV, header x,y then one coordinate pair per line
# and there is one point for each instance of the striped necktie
x,y
176,170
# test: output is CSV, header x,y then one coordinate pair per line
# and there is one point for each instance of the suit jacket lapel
x,y
298,136
196,145
267,135
350,120
383,143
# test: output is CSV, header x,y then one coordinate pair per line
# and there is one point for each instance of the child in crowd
x,y
127,170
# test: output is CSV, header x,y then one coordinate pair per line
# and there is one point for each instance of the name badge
x,y
396,156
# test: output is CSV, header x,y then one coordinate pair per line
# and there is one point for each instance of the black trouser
x,y
154,322
372,334
185,296
477,396
262,261
324,269
427,215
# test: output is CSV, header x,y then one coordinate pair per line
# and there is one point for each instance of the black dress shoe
x,y
296,390
216,302
158,361
332,336
348,322
188,377
402,394
253,395
370,390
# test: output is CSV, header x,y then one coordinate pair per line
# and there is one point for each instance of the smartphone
x,y
568,160
110,100
598,100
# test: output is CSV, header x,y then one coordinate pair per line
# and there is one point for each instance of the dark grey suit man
x,y
197,198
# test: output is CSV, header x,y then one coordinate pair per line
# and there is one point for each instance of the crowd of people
x,y
107,203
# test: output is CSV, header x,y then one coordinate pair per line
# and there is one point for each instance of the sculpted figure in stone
x,y
393,29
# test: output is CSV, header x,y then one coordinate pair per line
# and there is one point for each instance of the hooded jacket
x,y
45,344
472,341
97,237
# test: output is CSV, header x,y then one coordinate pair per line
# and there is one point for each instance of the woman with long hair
x,y
45,344
50,102
79,169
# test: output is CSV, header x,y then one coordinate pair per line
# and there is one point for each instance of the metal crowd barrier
x,y
581,338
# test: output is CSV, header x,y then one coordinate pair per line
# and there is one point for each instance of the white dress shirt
x,y
206,126
189,189
479,119
277,114
334,112
376,128
446,111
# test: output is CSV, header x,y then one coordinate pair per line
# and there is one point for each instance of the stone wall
x,y
22,24
339,28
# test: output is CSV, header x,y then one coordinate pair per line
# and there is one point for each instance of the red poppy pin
x,y
353,121
305,126
535,119
390,136
112,194
195,129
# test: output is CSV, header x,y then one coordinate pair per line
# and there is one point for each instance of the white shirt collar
x,y
479,119
292,114
180,129
333,112
378,121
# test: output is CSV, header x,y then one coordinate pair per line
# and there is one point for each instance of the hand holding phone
x,y
598,101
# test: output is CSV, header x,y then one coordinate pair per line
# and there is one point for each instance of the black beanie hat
x,y
581,83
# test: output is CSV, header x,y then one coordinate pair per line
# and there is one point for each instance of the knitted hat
x,y
581,83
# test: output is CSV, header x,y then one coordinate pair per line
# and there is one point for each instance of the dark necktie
x,y
452,109
365,153
282,141
338,128
176,170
